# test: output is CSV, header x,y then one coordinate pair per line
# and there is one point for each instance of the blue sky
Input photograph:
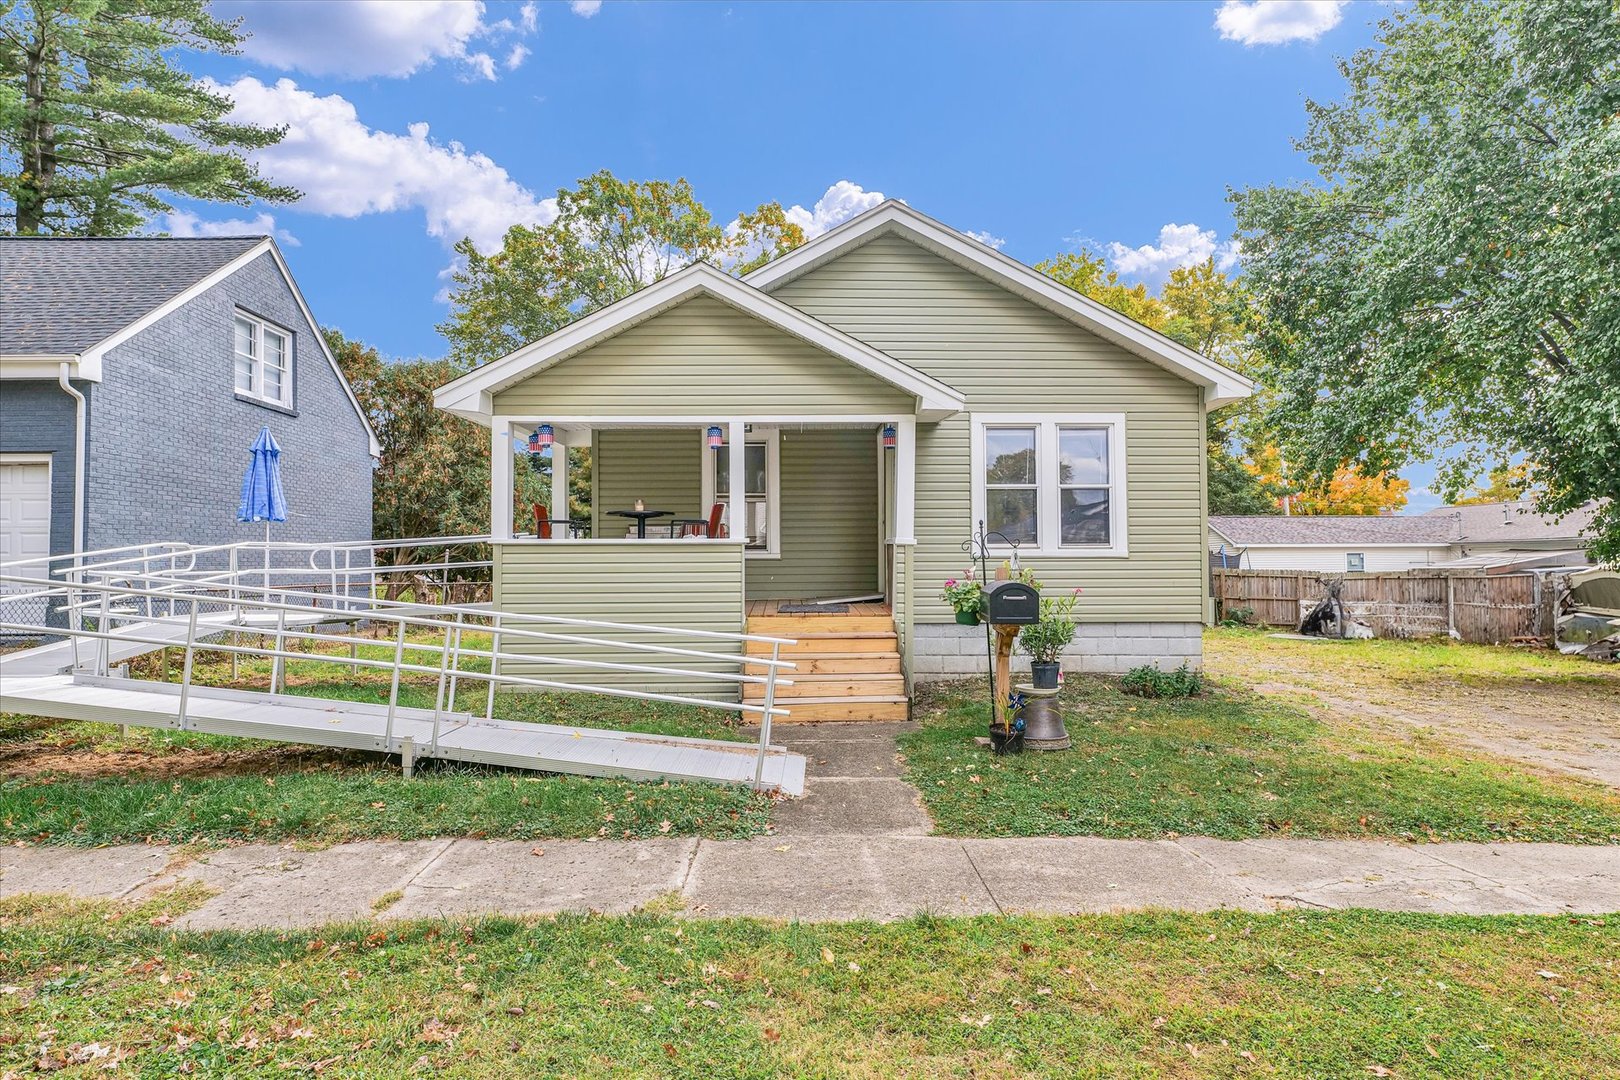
x,y
1042,127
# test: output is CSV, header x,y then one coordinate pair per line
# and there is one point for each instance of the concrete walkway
x,y
855,847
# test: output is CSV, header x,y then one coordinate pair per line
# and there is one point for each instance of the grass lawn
x,y
1231,764
81,784
1345,994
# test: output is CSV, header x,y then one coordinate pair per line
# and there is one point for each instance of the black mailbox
x,y
1012,603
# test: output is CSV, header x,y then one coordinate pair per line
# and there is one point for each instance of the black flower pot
x,y
1006,742
1044,676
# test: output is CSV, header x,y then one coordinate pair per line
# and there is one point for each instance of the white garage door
x,y
25,521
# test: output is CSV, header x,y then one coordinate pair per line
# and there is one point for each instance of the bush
x,y
1149,682
1238,616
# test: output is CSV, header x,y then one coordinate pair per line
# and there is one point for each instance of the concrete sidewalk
x,y
855,847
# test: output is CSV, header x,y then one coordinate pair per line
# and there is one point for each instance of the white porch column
x,y
559,488
500,478
905,481
737,507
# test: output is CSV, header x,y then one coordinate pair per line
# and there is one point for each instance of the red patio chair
x,y
715,526
543,521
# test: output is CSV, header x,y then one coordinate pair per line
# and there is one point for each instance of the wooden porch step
x,y
864,641
789,625
863,707
806,687
838,663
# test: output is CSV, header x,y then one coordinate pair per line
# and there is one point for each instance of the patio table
x,y
641,517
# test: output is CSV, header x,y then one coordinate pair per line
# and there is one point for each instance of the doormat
x,y
812,609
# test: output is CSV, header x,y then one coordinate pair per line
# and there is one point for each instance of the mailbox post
x,y
1008,605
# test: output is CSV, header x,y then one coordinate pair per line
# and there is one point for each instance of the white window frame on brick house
x,y
1048,489
249,367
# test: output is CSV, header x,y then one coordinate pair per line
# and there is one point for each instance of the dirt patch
x,y
1567,723
32,761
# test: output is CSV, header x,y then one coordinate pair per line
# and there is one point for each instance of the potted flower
x,y
1045,641
966,598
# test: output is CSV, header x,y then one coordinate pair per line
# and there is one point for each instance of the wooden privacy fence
x,y
1476,607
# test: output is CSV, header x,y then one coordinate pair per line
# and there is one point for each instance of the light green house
x,y
1010,399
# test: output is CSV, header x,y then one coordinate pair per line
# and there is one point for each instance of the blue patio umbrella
x,y
262,497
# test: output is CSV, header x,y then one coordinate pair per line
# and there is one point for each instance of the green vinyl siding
x,y
1008,355
691,585
829,543
659,466
706,360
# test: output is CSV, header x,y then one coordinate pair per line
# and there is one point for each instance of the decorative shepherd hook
x,y
998,640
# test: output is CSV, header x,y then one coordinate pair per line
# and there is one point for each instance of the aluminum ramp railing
x,y
412,733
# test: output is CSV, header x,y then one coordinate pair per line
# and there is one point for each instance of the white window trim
x,y
256,393
772,440
1048,499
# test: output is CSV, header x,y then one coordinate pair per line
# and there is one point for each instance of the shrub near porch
x,y
1233,765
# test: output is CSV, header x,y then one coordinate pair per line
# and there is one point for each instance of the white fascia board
x,y
1351,544
1221,384
48,366
471,395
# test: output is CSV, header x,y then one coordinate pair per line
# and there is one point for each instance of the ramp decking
x,y
364,726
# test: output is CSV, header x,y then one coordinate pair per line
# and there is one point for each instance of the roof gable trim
x,y
472,394
1222,385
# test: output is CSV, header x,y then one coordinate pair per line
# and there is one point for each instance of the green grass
x,y
1230,765
83,784
1345,994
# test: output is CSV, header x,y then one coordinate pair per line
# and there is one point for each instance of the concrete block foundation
x,y
951,650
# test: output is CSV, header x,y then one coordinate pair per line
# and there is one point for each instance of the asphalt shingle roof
x,y
1502,522
1280,529
60,296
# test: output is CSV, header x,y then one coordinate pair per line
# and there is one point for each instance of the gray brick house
x,y
134,375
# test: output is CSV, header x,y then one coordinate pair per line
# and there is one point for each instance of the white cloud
x,y
984,237
182,223
529,16
1277,22
837,204
365,38
1179,245
585,8
346,169
515,58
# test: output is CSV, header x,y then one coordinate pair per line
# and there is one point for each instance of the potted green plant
x,y
966,597
1045,641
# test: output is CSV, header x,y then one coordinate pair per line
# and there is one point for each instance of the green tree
x,y
98,127
1446,289
1504,483
432,477
610,238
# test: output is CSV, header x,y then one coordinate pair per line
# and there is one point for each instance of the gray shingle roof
x,y
1347,529
60,296
1501,522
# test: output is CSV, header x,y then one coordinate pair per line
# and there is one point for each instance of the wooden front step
x,y
793,625
871,663
871,641
821,686
872,707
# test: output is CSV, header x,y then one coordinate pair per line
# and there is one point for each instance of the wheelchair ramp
x,y
364,726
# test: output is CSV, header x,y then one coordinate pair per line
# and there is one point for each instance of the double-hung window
x,y
760,521
1052,483
263,361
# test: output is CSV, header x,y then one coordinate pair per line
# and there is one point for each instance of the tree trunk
x,y
38,135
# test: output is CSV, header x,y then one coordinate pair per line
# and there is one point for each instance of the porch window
x,y
760,482
263,361
1052,483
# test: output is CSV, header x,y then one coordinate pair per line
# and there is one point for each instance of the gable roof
x,y
1336,530
472,395
1504,522
62,296
74,298
1221,384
